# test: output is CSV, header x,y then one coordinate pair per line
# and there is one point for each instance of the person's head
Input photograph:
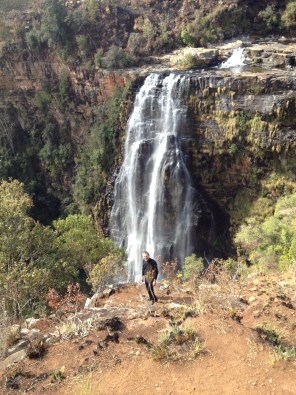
x,y
146,255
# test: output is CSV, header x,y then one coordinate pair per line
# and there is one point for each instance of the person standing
x,y
149,275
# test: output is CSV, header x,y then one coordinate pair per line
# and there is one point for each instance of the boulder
x,y
13,358
194,57
31,322
19,346
97,300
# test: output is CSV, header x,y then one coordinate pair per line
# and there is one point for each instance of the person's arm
x,y
155,271
143,272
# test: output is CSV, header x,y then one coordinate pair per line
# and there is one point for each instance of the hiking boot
x,y
154,300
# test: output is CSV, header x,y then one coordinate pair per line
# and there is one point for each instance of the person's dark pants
x,y
150,290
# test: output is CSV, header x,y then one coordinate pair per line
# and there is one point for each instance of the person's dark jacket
x,y
150,269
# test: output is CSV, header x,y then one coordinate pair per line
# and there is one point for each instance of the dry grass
x,y
75,327
177,344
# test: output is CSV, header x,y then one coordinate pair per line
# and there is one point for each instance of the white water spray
x,y
236,60
153,195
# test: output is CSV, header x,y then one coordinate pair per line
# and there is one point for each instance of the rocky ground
x,y
227,337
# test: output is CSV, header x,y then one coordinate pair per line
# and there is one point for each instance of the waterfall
x,y
237,59
155,205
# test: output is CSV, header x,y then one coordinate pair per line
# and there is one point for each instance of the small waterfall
x,y
155,205
236,60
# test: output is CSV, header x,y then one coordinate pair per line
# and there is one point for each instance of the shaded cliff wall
x,y
245,128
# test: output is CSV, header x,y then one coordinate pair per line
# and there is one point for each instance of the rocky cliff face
x,y
245,130
32,100
20,79
242,122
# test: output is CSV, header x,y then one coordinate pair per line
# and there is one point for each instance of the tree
x,y
136,44
35,258
15,224
192,269
116,57
29,261
78,242
92,8
54,24
270,18
83,45
289,17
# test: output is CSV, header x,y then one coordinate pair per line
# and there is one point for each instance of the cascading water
x,y
236,60
155,205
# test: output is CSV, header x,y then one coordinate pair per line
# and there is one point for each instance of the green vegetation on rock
x,y
268,234
97,155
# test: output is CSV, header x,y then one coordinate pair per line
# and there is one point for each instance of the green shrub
x,y
6,339
116,57
8,5
163,41
188,61
231,266
233,149
54,25
53,29
149,32
270,240
136,44
275,338
35,38
107,270
92,8
42,101
78,242
270,18
201,31
35,258
289,16
221,23
98,58
186,38
192,268
63,94
83,45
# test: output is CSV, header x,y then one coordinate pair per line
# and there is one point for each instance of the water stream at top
x,y
236,60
